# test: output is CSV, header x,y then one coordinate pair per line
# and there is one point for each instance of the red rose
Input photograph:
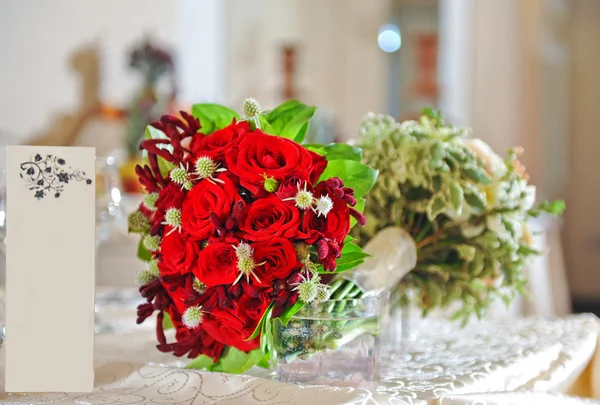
x,y
259,155
229,328
179,253
205,198
334,226
253,302
279,257
217,144
170,197
217,265
269,217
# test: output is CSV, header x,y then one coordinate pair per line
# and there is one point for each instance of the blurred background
x,y
518,72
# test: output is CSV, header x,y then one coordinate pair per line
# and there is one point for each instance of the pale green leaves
x,y
213,117
354,174
289,120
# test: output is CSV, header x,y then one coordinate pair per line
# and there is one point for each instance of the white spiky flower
x,y
179,175
206,169
150,201
246,268
152,243
173,219
324,205
192,317
243,251
303,199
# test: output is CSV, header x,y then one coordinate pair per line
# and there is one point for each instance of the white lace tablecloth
x,y
519,361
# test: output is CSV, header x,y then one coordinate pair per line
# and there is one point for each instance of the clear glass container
x,y
335,342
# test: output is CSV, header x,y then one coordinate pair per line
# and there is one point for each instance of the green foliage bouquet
x,y
465,207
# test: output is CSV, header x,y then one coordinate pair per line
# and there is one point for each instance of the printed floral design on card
x,y
48,175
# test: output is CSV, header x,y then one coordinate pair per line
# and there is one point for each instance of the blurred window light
x,y
389,39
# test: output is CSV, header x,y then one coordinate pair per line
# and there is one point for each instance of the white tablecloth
x,y
440,364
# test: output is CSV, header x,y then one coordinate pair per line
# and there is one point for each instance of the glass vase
x,y
334,342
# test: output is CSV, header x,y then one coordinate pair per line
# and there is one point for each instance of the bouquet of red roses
x,y
241,224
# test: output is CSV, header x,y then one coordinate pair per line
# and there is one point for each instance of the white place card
x,y
50,269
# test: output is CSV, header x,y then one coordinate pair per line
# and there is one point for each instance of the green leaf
x,y
477,175
167,323
213,117
290,120
266,127
456,197
343,151
360,207
437,152
354,174
473,197
264,318
142,252
154,133
285,317
318,149
435,207
200,363
235,361
552,208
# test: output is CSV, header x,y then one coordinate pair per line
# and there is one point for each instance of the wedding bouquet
x,y
241,224
466,211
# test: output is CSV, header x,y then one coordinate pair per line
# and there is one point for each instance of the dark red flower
x,y
334,226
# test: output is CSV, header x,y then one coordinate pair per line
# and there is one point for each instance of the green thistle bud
x,y
150,201
251,108
192,317
137,222
144,277
152,243
270,184
179,175
307,290
199,286
303,251
205,167
173,217
188,185
323,293
153,268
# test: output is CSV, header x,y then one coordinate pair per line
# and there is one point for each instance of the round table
x,y
496,361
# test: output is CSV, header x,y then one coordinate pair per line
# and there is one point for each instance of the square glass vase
x,y
334,342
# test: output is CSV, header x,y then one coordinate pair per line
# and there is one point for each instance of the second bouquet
x,y
241,224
